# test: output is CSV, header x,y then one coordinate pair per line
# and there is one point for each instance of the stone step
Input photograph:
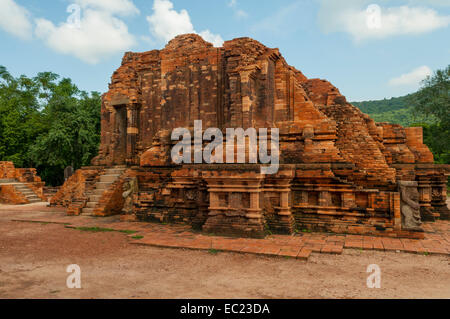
x,y
102,185
99,192
25,191
6,180
109,178
87,211
94,198
114,172
28,193
32,195
22,188
105,181
91,204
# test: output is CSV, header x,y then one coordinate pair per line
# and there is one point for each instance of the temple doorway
x,y
120,132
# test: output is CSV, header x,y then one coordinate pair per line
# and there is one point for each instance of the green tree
x,y
433,100
20,116
47,123
73,135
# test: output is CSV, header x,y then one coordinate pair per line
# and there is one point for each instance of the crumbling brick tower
x,y
339,169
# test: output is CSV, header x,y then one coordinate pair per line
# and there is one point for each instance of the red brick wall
x,y
9,195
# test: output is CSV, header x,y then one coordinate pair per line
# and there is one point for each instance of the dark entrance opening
x,y
120,132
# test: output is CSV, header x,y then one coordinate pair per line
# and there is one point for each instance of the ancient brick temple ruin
x,y
339,170
20,185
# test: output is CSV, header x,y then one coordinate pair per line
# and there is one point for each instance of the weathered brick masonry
x,y
339,169
20,185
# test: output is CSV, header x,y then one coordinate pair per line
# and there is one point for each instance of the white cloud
x,y
279,21
166,23
119,7
241,14
99,35
237,12
215,39
375,22
15,19
232,3
412,78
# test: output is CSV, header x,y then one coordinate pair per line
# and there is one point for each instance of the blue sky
x,y
368,49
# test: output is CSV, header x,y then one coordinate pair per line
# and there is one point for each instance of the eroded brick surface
x,y
15,181
339,172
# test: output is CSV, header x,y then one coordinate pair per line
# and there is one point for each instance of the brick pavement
x,y
300,245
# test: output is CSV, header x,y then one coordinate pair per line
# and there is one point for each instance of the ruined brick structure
x,y
20,185
339,169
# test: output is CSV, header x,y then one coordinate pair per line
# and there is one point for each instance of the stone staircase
x,y
106,180
22,188
7,181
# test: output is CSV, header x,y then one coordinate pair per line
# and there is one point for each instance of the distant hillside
x,y
397,110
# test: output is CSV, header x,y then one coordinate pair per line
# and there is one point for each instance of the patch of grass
x,y
104,230
37,222
213,251
426,253
137,237
95,229
126,231
267,230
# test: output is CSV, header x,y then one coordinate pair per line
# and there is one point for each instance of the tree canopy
x,y
429,107
433,100
48,123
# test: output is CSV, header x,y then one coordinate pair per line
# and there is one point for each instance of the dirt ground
x,y
34,258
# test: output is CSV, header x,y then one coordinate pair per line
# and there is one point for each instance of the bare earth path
x,y
34,257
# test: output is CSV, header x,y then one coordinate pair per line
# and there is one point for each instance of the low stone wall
x,y
7,170
28,176
9,195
